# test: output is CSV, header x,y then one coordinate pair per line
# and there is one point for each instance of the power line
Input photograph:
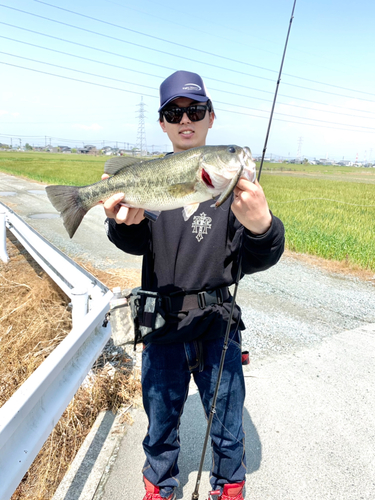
x,y
291,121
77,79
292,116
147,86
197,50
130,43
79,57
85,46
157,65
157,76
174,55
174,43
139,93
78,70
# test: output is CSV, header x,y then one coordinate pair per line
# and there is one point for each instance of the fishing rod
x,y
195,495
276,91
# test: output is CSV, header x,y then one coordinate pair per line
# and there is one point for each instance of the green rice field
x,y
327,211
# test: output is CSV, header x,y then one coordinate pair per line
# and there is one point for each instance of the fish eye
x,y
231,149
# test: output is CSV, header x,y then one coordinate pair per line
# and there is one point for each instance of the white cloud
x,y
93,126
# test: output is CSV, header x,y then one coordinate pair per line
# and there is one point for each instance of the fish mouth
x,y
207,179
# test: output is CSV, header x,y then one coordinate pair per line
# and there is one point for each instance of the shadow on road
x,y
192,434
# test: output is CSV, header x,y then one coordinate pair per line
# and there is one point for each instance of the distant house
x,y
325,161
87,150
65,149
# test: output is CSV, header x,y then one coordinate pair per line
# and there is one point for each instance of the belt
x,y
198,300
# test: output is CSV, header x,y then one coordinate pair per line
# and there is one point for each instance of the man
x,y
191,264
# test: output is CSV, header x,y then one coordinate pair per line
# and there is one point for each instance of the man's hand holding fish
x,y
119,212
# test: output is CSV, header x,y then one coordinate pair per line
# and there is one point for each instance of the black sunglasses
x,y
195,113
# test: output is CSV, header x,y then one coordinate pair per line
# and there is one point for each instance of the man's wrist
x,y
260,227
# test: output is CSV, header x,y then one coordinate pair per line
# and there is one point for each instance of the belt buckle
x,y
201,299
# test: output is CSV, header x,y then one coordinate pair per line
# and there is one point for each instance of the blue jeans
x,y
166,372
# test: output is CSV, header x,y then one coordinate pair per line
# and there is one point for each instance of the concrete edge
x,y
82,480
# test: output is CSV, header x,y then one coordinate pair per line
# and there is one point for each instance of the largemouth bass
x,y
182,180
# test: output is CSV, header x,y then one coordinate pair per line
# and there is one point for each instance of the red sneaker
x,y
152,492
230,492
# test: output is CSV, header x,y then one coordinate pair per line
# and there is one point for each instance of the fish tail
x,y
67,201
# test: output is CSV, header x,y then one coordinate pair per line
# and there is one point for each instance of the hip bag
x,y
149,309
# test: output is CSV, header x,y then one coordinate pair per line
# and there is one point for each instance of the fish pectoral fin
x,y
114,165
189,210
182,189
227,192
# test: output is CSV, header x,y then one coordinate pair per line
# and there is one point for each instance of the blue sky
x,y
111,53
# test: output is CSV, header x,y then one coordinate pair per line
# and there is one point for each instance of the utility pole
x,y
141,133
299,152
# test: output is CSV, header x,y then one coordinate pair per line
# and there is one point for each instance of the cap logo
x,y
191,86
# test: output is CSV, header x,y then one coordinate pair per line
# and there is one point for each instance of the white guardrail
x,y
29,416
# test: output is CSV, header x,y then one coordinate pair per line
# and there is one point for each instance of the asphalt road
x,y
309,413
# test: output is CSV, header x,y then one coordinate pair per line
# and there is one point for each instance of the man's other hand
x,y
250,206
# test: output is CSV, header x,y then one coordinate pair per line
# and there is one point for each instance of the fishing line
x,y
195,494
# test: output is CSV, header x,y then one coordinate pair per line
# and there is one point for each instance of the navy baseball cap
x,y
182,84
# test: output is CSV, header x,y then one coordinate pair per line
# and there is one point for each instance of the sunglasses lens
x,y
173,115
195,114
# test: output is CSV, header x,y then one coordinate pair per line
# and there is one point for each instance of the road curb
x,y
86,475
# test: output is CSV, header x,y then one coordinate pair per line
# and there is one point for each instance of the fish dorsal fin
x,y
114,165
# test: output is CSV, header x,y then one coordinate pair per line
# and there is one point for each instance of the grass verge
x,y
34,319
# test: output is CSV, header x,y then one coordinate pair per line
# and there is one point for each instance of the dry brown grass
x,y
34,319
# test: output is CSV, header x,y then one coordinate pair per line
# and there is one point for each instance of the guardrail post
x,y
3,238
80,303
